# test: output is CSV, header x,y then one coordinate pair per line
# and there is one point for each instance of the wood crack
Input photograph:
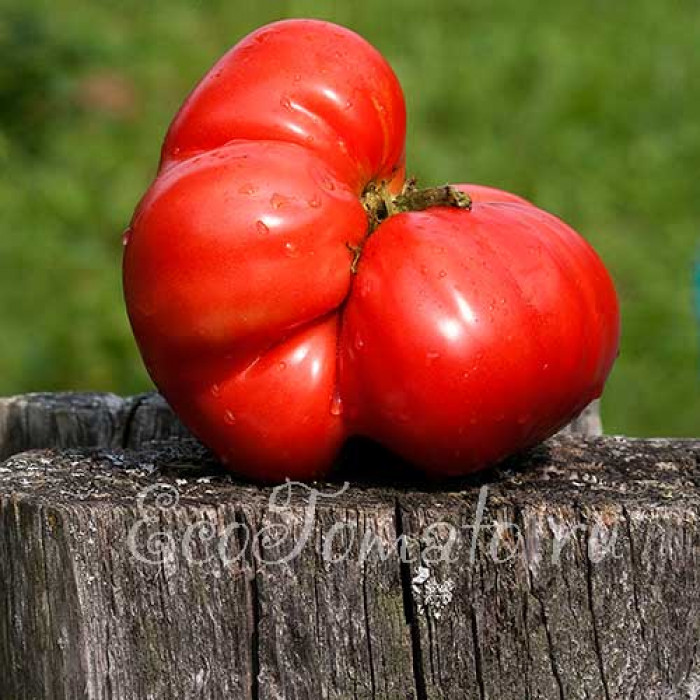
x,y
594,622
161,581
635,567
478,662
409,607
255,606
550,646
136,403
109,566
548,636
41,513
368,630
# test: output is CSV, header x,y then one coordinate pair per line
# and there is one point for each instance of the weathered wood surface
x,y
72,419
570,572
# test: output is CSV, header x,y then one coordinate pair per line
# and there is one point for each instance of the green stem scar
x,y
380,204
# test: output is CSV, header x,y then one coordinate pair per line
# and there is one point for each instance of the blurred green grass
x,y
591,109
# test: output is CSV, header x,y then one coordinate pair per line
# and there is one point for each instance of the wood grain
x,y
132,567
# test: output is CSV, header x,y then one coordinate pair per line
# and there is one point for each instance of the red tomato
x,y
465,335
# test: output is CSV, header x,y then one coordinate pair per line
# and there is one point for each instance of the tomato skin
x,y
235,247
471,335
275,418
233,257
463,337
302,81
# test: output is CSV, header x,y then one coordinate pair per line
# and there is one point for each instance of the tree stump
x,y
132,567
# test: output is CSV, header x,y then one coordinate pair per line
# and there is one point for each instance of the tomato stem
x,y
413,199
380,203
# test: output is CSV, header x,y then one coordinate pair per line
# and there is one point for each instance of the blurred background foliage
x,y
589,108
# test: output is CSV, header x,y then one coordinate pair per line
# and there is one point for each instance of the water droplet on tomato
x,y
315,202
215,390
247,188
277,200
282,366
291,250
336,404
262,227
442,274
348,105
297,77
327,183
359,343
229,417
126,236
